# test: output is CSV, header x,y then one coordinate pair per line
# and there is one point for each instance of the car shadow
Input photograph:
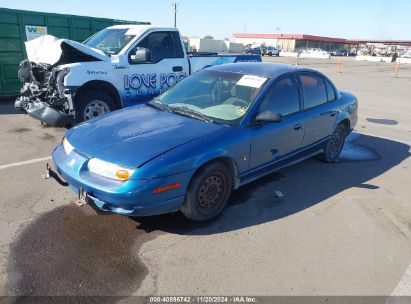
x,y
71,251
293,189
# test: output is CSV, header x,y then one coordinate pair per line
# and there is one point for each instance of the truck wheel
x,y
91,104
207,193
334,145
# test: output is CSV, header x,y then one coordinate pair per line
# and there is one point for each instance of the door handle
x,y
177,69
331,113
298,127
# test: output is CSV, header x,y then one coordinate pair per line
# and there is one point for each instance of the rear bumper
x,y
130,198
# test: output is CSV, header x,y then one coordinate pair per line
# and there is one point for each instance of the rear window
x,y
330,91
314,90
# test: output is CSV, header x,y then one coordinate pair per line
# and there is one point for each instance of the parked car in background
x,y
406,54
352,53
315,53
213,132
340,52
270,51
253,51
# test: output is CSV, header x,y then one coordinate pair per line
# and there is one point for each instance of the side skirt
x,y
286,161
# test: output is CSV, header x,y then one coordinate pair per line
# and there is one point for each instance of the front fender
x,y
230,143
84,72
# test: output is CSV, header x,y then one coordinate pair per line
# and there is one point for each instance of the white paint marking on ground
x,y
404,285
402,292
25,162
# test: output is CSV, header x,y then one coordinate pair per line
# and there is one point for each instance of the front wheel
x,y
207,193
91,104
334,145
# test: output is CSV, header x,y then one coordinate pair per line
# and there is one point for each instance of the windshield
x,y
110,41
222,97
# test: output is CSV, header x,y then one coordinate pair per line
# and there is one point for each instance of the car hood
x,y
54,51
131,137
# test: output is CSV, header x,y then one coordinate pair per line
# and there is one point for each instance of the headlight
x,y
67,146
109,170
60,80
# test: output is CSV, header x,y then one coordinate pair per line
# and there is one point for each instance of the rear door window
x,y
314,90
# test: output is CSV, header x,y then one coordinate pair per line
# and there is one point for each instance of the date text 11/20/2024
x,y
203,299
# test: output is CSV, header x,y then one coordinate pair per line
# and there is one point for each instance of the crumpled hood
x,y
132,136
54,51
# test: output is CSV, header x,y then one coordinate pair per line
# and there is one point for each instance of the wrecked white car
x,y
66,82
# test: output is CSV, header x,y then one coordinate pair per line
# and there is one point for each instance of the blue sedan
x,y
211,133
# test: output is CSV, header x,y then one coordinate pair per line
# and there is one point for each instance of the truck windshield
x,y
110,41
222,97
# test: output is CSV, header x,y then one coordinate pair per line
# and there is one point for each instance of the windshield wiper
x,y
156,103
191,113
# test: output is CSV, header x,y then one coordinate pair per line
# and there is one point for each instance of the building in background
x,y
299,42
214,46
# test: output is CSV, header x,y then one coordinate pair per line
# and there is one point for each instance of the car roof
x,y
262,69
139,28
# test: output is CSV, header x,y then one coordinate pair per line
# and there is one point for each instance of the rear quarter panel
x,y
347,109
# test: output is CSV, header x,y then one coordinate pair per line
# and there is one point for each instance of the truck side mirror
x,y
140,55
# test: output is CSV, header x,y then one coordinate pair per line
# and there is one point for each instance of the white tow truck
x,y
66,82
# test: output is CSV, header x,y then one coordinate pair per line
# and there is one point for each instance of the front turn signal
x,y
122,174
167,188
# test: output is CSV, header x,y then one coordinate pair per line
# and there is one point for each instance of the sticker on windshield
x,y
251,81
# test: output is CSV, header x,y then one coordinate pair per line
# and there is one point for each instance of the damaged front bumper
x,y
43,112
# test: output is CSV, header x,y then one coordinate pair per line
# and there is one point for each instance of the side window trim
x,y
172,37
293,78
328,83
178,48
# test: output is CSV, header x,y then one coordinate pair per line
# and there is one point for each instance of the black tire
x,y
208,192
88,100
334,145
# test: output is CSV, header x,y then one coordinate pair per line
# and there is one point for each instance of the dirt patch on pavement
x,y
74,251
47,136
19,130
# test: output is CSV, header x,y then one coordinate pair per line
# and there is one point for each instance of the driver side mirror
x,y
268,116
140,55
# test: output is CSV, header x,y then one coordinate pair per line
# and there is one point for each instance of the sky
x,y
356,19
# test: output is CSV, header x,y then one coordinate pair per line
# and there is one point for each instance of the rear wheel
x,y
208,192
334,145
91,104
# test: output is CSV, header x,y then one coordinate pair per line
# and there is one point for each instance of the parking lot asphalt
x,y
340,229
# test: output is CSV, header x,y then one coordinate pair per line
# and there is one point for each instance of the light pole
x,y
175,5
277,29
